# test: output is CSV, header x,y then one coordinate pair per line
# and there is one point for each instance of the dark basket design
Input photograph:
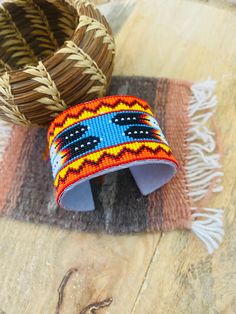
x,y
53,54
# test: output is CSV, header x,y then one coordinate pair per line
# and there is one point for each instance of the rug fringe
x,y
5,134
208,226
203,169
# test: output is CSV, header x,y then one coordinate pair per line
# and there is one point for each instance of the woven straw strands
x,y
53,54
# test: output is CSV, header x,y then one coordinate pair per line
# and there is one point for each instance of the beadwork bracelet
x,y
103,136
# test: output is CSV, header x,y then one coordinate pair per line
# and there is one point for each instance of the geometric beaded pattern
x,y
104,133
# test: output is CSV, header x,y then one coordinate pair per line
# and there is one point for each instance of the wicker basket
x,y
53,54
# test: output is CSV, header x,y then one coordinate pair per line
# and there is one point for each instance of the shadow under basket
x,y
53,54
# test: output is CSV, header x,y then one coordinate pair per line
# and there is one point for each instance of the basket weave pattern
x,y
53,54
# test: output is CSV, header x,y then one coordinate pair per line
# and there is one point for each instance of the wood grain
x,y
144,274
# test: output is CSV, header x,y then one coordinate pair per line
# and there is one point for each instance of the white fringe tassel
x,y
210,228
5,133
203,168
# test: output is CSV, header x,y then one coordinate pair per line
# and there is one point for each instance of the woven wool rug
x,y
183,111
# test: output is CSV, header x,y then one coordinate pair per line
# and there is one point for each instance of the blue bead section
x,y
110,129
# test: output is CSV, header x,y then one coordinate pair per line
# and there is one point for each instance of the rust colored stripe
x,y
176,202
9,165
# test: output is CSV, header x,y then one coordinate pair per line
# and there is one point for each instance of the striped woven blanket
x,y
184,111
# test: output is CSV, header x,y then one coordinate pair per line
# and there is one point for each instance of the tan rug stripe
x,y
155,204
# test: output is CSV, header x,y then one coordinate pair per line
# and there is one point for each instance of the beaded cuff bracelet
x,y
103,136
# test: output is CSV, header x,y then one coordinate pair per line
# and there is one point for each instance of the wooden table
x,y
144,274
